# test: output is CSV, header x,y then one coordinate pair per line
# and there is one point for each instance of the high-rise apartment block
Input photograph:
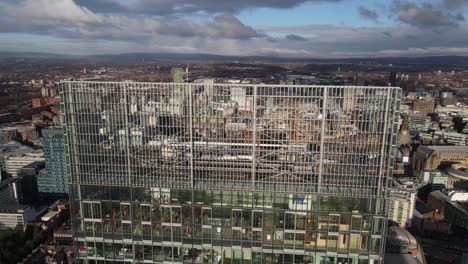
x,y
216,173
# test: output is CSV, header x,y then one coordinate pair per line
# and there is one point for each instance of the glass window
x,y
166,214
247,218
332,242
309,239
87,210
301,221
354,242
145,213
345,222
289,240
257,219
289,221
299,241
356,222
324,203
236,218
323,222
343,242
206,213
125,208
375,245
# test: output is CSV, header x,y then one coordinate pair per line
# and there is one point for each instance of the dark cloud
x,y
295,37
368,13
454,4
388,34
107,6
163,7
426,15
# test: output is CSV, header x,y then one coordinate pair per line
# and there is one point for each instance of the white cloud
x,y
223,34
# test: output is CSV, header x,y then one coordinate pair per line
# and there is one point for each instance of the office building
x,y
12,148
10,191
55,179
454,138
7,134
185,173
29,177
446,98
12,216
418,122
13,164
434,177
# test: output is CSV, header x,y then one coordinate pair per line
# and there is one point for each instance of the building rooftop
x,y
428,149
49,215
34,165
422,207
13,146
13,208
7,181
440,195
458,170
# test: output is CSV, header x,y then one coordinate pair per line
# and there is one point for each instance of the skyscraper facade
x,y
55,181
215,173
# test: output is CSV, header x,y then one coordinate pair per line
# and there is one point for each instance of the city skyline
x,y
293,28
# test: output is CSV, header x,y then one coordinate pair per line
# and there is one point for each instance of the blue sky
x,y
309,13
286,28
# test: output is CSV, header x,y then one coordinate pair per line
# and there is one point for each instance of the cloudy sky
x,y
287,28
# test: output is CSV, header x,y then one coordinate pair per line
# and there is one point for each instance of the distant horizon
x,y
34,54
276,28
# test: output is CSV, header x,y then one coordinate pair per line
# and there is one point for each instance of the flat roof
x,y
49,215
13,208
7,181
440,195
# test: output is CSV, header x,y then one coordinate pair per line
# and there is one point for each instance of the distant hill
x,y
35,55
433,60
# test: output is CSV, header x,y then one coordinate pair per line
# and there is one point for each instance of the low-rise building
x,y
7,134
457,176
418,122
454,138
433,177
402,247
456,213
12,216
453,207
431,157
428,222
13,164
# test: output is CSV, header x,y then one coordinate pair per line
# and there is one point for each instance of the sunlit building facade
x,y
214,173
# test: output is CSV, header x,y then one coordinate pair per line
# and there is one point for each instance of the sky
x,y
283,28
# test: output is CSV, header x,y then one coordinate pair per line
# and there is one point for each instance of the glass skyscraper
x,y
215,173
